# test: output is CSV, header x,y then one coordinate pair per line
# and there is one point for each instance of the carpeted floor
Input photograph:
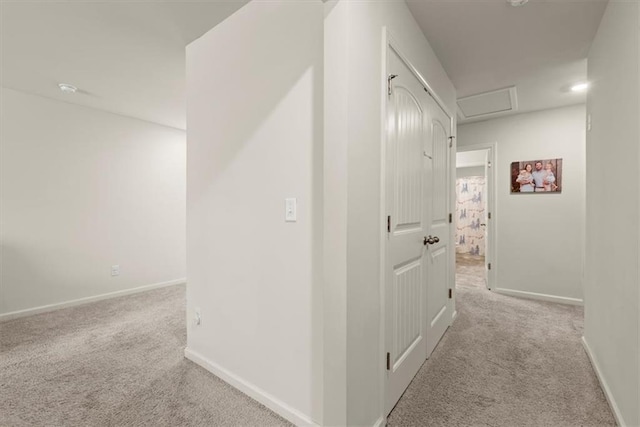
x,y
505,362
470,270
117,362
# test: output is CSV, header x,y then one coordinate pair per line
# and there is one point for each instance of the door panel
x,y
405,258
409,175
439,305
407,290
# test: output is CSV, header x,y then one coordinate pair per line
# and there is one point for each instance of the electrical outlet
x,y
115,270
197,317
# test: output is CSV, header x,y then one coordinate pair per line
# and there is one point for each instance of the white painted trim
x,y
66,304
383,379
491,255
381,422
603,383
469,165
251,390
393,44
541,297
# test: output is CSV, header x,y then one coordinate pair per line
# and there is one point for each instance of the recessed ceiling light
x,y
516,3
579,87
67,88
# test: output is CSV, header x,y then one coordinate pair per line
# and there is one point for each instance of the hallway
x,y
505,362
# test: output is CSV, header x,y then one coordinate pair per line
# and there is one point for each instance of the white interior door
x,y
406,274
439,302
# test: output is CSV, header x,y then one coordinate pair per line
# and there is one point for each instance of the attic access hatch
x,y
488,103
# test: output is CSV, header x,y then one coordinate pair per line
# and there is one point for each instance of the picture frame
x,y
536,176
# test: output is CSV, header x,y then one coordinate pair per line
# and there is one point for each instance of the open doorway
x,y
473,216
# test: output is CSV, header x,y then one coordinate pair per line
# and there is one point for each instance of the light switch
x,y
290,214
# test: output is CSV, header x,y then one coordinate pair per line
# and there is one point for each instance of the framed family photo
x,y
536,176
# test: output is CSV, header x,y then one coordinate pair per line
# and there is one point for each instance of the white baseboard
x,y
541,297
254,392
381,422
51,307
603,383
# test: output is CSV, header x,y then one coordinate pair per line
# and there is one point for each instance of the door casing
x,y
389,42
490,179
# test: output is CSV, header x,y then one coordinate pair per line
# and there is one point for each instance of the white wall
x,y
262,327
255,129
359,26
611,276
83,190
335,201
539,236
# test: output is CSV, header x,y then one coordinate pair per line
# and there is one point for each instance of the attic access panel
x,y
489,103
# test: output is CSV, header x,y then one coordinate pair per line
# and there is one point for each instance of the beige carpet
x,y
470,270
114,363
505,362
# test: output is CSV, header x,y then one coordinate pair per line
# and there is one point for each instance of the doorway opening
x,y
473,216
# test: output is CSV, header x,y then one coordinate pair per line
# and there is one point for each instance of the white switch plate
x,y
115,270
290,213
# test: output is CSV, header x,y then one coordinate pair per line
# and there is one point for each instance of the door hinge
x,y
489,215
388,361
389,224
451,138
450,218
389,78
489,266
450,293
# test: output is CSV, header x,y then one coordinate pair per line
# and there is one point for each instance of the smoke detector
x,y
67,88
516,3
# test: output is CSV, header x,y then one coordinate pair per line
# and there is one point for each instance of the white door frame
x,y
491,179
389,42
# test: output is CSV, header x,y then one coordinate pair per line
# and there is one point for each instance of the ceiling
x,y
541,47
126,57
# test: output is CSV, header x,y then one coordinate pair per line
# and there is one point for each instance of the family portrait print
x,y
536,176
